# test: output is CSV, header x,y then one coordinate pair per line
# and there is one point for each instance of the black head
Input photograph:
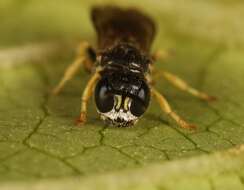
x,y
121,98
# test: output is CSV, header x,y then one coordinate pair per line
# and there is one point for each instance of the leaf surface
x,y
38,138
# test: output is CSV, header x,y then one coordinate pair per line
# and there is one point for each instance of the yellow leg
x,y
182,85
167,109
162,54
82,59
87,93
83,51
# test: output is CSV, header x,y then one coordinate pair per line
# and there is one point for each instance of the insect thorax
x,y
125,57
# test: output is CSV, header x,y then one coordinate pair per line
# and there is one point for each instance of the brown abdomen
x,y
114,25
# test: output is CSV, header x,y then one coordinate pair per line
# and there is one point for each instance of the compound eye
x,y
137,108
103,97
140,103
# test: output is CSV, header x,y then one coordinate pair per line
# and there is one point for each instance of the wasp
x,y
122,69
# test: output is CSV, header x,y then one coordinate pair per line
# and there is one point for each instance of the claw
x,y
55,91
186,125
191,127
81,120
209,98
212,98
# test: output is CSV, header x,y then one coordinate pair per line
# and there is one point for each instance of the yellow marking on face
x,y
118,101
126,103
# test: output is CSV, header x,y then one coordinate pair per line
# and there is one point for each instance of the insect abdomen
x,y
116,25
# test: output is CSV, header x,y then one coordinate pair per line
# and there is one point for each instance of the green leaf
x,y
38,138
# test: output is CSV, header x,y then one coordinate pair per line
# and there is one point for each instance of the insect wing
x,y
113,25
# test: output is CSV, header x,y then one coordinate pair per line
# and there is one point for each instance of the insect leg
x,y
82,59
87,93
168,110
162,54
182,85
86,50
